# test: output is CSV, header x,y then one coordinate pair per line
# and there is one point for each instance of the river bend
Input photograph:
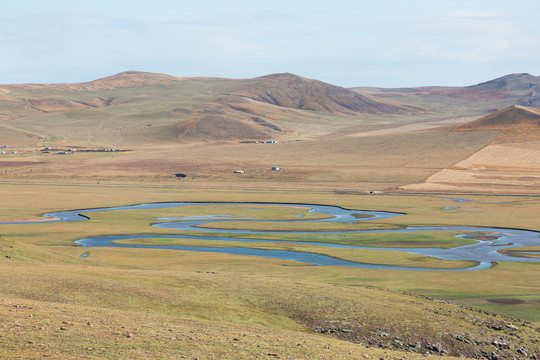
x,y
484,253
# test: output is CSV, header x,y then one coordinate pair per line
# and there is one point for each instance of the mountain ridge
x,y
513,89
315,95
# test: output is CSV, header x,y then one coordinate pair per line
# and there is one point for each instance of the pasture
x,y
160,303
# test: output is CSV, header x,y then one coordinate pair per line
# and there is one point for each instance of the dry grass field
x,y
372,163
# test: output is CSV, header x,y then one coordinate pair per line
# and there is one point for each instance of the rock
x,y
501,344
435,347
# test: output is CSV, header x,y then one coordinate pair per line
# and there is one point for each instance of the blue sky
x,y
383,43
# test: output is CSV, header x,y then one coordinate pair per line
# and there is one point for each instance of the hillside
x,y
510,161
517,124
293,91
327,137
144,108
479,99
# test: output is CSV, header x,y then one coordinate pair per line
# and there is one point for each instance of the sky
x,y
384,43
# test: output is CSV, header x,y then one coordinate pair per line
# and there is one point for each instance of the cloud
x,y
348,44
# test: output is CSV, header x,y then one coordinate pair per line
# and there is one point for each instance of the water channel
x,y
484,252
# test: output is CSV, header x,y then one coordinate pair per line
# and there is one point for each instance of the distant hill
x,y
124,80
294,91
135,107
510,82
517,124
520,88
514,89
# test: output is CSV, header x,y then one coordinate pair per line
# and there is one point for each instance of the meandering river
x,y
484,253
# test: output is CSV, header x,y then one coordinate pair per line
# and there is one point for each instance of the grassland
x,y
195,127
371,163
136,303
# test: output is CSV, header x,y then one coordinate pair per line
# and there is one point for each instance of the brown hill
x,y
124,80
513,89
294,91
509,82
517,124
223,128
520,89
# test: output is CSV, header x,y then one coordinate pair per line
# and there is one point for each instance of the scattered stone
x,y
435,347
501,344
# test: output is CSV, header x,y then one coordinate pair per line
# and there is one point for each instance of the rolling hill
x,y
328,136
510,118
293,91
516,124
140,108
486,97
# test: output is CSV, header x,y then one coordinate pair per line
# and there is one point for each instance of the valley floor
x,y
137,303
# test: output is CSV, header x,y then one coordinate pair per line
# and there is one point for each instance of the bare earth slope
x,y
517,124
293,91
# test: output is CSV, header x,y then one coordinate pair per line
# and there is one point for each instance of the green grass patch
x,y
378,257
